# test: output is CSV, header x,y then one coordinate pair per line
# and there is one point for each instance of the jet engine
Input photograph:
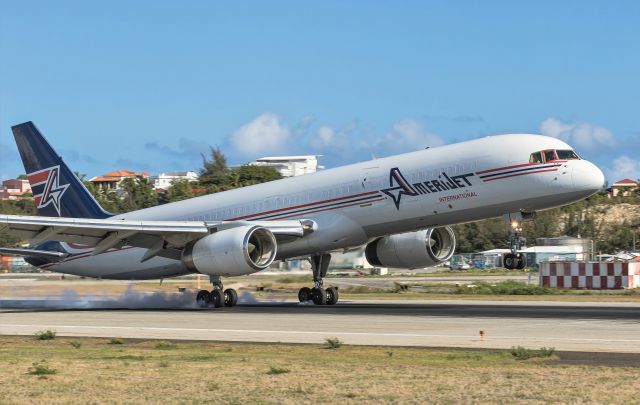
x,y
412,250
231,252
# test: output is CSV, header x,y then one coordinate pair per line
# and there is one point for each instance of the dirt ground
x,y
97,371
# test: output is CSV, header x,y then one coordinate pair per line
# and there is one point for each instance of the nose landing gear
x,y
317,294
514,259
217,297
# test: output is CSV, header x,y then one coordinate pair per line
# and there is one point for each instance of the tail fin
x,y
56,190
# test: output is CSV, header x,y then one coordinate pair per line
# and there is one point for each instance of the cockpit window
x,y
567,155
549,155
535,157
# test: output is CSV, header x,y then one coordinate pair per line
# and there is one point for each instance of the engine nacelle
x,y
412,250
232,252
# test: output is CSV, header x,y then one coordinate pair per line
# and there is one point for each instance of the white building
x,y
164,180
289,166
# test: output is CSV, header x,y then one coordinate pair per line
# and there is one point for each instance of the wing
x,y
160,238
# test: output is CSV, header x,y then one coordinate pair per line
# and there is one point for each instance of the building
x,y
111,181
164,180
14,189
623,187
289,166
561,248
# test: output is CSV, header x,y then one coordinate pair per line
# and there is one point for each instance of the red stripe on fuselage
x,y
331,208
300,206
520,165
522,174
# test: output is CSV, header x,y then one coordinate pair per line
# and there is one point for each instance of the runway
x,y
610,327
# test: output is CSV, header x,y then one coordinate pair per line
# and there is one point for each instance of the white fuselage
x,y
351,205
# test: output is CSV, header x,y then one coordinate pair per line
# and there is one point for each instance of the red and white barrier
x,y
592,276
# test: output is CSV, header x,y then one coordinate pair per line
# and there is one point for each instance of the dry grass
x,y
243,373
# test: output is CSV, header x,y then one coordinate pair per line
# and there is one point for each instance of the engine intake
x,y
232,252
412,250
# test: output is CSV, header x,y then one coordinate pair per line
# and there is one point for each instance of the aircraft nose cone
x,y
587,177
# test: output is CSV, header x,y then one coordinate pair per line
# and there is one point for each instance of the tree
x,y
179,190
138,194
215,169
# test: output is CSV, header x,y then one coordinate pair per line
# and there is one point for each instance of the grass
x,y
116,341
520,353
41,368
166,345
278,370
101,373
76,344
45,335
332,343
502,288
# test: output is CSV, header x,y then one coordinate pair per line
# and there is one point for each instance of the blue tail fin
x,y
56,190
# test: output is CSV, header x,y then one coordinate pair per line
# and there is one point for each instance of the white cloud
x,y
623,167
325,137
579,134
407,135
264,134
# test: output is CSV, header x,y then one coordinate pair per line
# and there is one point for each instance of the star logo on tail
x,y
53,190
398,186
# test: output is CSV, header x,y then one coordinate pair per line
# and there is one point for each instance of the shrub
x,y
45,335
41,368
76,344
277,370
332,343
521,353
116,341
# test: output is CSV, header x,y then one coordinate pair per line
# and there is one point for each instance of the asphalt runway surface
x,y
581,327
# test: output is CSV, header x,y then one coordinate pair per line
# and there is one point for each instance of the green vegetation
x,y
115,341
502,288
333,343
45,335
41,368
520,353
278,370
281,373
76,344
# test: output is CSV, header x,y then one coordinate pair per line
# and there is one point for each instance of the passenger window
x,y
550,155
535,157
567,155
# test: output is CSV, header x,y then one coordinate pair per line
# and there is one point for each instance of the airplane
x,y
400,207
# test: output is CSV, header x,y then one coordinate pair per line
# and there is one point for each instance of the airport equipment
x,y
590,275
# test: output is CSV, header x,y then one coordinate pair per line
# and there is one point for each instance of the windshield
x,y
567,155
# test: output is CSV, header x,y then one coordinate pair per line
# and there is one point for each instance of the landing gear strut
x,y
515,259
218,296
317,294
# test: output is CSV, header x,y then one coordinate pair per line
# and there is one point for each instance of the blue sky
x,y
148,85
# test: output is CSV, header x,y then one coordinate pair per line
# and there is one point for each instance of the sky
x,y
150,85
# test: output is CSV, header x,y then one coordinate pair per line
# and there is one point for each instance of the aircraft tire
x,y
217,298
230,297
509,261
521,261
332,295
203,298
319,296
304,294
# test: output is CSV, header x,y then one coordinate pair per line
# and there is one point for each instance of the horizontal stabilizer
x,y
45,254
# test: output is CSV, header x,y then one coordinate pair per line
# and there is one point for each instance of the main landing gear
x,y
317,294
515,259
218,296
